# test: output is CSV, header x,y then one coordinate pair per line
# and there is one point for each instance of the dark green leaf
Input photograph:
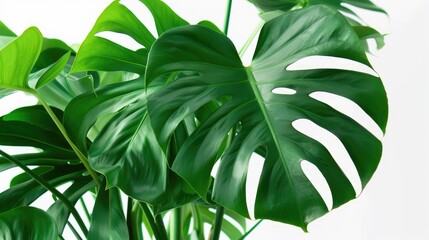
x,y
59,211
286,5
108,220
266,118
165,18
27,223
365,33
81,114
99,54
228,227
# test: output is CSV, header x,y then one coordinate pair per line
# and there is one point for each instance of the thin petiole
x,y
50,188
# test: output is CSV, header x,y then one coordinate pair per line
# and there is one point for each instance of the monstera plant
x,y
149,125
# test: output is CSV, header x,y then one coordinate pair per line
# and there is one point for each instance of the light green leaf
x,y
27,223
5,31
263,118
108,220
18,58
365,33
53,71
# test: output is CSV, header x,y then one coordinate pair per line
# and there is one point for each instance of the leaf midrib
x,y
260,101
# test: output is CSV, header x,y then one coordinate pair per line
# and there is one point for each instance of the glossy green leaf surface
x,y
53,71
82,113
165,18
5,31
134,155
266,119
285,5
92,54
108,220
55,161
18,58
27,223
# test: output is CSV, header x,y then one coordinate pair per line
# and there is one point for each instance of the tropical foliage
x,y
150,125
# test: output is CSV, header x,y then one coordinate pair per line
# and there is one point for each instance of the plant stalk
x,y
198,223
251,230
227,17
217,226
85,209
50,188
176,224
134,220
63,131
161,227
251,37
151,220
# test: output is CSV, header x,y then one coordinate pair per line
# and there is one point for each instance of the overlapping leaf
x,y
286,5
274,8
265,118
27,223
56,162
126,150
108,220
100,54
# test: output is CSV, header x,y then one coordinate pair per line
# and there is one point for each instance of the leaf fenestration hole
x,y
14,101
328,62
215,168
19,149
334,146
283,91
351,109
318,181
254,172
120,39
142,13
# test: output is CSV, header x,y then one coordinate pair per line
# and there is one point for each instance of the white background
x,y
395,204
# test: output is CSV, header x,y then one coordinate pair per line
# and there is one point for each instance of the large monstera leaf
x,y
55,161
126,150
286,5
263,118
272,8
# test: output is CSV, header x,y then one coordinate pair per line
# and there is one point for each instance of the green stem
x,y
66,136
50,188
176,224
251,230
134,220
85,209
151,220
75,233
217,226
251,37
162,230
227,17
198,223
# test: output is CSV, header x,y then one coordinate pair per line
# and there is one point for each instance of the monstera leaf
x,y
108,220
274,8
118,18
27,223
55,161
285,5
263,118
